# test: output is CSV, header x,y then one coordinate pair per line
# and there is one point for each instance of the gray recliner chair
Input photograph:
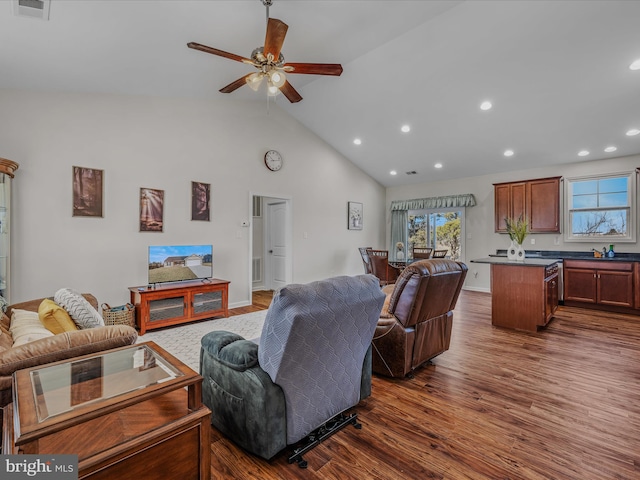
x,y
311,364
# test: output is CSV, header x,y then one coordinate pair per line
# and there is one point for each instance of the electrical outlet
x,y
556,240
533,241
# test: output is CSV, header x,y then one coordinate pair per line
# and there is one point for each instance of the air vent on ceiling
x,y
32,8
412,172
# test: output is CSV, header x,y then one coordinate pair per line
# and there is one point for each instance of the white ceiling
x,y
557,72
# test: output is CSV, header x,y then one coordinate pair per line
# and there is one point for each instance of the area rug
x,y
183,341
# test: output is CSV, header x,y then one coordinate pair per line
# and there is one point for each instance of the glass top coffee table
x,y
120,399
72,385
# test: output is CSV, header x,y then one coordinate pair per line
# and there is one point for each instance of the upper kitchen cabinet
x,y
536,200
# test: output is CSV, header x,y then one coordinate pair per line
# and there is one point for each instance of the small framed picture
x,y
354,216
151,210
200,200
87,192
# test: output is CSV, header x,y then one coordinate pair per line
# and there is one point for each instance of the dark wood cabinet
x,y
523,297
543,205
580,284
636,282
172,304
536,200
551,295
599,282
510,202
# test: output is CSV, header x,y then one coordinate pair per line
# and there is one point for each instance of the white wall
x,y
481,239
165,144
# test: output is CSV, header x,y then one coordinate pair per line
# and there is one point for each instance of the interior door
x,y
277,248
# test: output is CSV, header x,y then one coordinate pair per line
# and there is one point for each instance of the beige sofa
x,y
58,347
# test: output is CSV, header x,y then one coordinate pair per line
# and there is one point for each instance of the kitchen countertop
x,y
574,255
527,262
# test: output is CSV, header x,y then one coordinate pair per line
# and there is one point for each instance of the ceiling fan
x,y
270,63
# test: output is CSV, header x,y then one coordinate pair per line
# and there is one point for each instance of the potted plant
x,y
517,231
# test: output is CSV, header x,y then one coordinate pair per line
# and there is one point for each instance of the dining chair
x,y
365,259
439,253
381,268
421,252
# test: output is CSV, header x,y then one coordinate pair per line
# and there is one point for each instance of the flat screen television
x,y
178,263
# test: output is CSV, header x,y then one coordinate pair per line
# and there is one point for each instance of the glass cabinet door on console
x,y
167,308
7,169
206,302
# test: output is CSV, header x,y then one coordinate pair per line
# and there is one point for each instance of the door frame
x,y
288,200
463,216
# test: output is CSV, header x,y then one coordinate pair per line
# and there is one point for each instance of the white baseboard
x,y
477,289
239,304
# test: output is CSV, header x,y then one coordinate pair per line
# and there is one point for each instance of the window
x,y
438,229
601,208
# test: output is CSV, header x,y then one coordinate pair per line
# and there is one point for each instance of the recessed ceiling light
x,y
610,149
393,172
486,105
357,141
508,153
633,131
438,165
583,153
635,65
405,128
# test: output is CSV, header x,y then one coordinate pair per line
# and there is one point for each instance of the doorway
x,y
270,262
438,229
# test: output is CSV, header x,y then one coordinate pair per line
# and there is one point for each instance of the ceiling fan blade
x,y
314,68
233,86
291,93
220,53
276,31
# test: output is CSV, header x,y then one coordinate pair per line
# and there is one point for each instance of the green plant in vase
x,y
517,231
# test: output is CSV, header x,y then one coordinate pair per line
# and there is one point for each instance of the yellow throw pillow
x,y
55,318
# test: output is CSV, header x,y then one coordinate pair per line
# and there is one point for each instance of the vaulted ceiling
x,y
556,72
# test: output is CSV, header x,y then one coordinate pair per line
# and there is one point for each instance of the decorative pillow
x,y
3,303
81,311
55,318
27,327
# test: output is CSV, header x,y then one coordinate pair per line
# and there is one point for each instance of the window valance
x,y
462,200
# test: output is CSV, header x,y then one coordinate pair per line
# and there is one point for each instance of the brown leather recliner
x,y
420,316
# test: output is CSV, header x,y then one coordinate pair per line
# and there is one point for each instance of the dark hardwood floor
x,y
562,403
260,300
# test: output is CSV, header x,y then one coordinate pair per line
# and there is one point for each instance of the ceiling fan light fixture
x,y
272,90
277,78
254,80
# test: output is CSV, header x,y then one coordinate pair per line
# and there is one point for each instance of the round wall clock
x,y
273,160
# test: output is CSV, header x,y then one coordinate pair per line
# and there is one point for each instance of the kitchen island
x,y
524,295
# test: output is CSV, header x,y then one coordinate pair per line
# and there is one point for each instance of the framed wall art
x,y
87,192
354,216
200,201
151,210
